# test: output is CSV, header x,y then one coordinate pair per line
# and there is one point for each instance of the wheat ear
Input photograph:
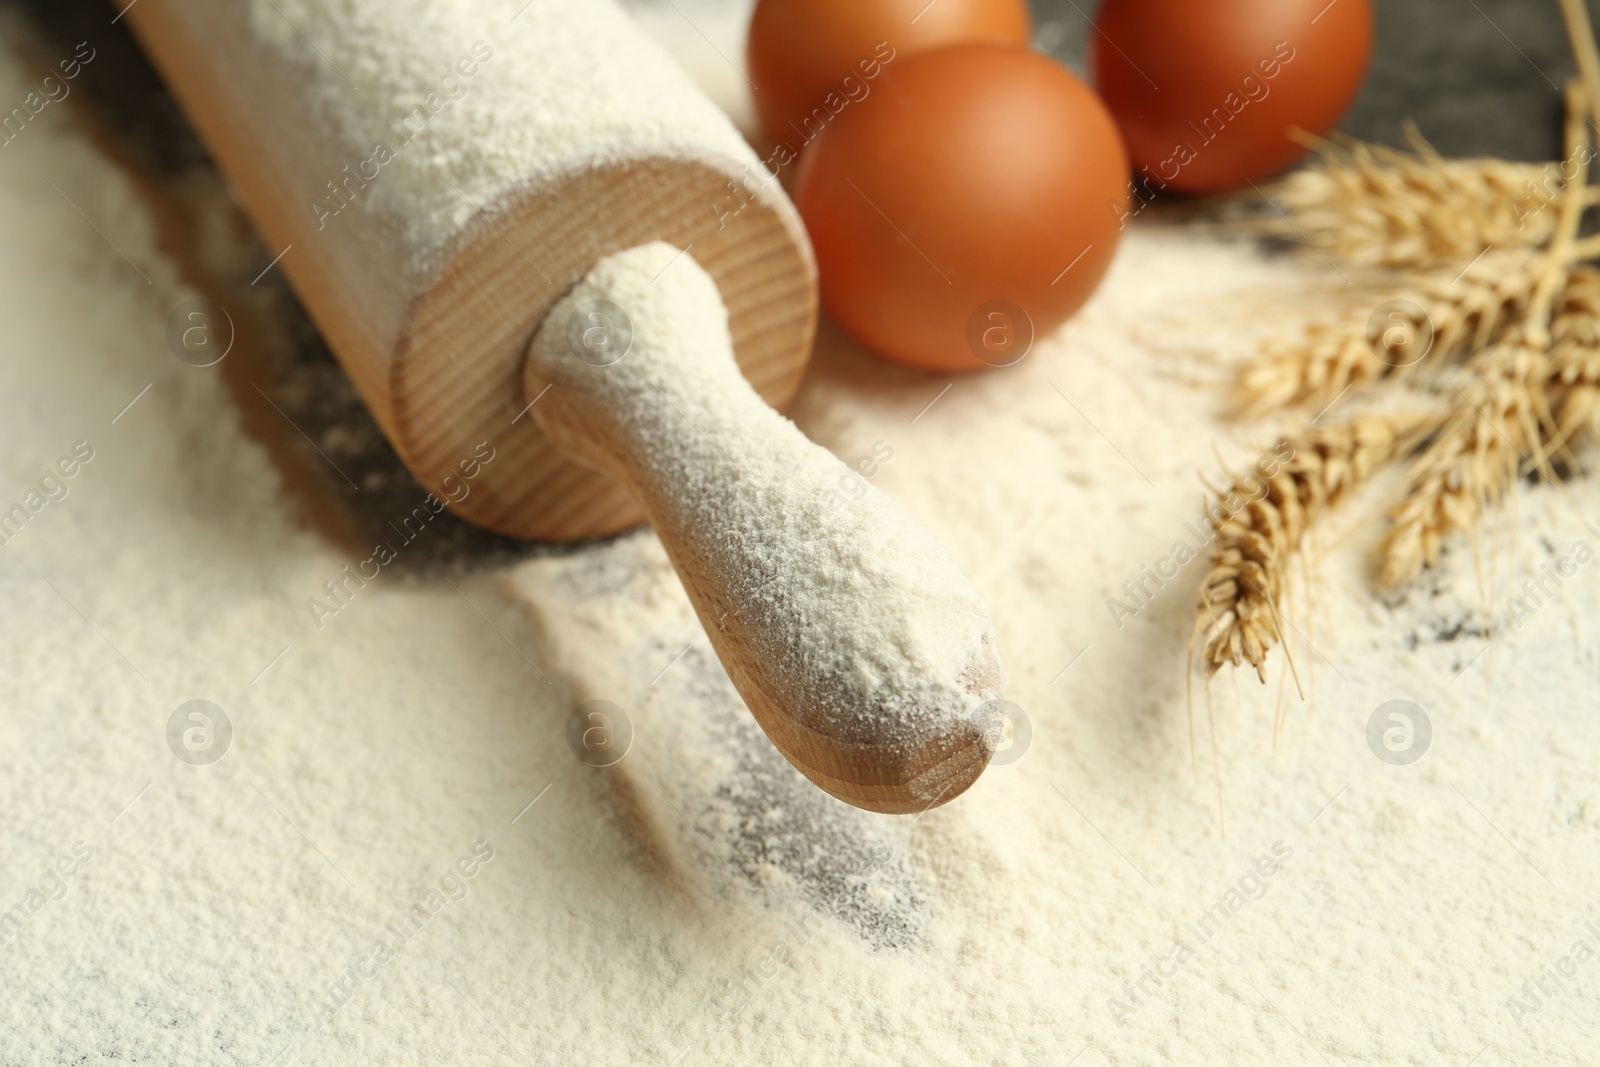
x,y
1371,206
1499,425
1575,356
1240,598
1433,318
1515,408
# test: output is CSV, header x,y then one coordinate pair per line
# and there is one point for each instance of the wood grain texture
x,y
489,300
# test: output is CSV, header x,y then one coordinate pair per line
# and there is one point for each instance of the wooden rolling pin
x,y
438,175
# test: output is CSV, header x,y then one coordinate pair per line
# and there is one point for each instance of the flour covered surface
x,y
399,856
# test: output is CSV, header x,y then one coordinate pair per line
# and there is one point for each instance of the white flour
x,y
1067,906
550,86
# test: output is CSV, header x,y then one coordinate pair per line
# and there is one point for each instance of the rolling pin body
x,y
439,172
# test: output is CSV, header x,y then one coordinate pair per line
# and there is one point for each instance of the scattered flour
x,y
698,903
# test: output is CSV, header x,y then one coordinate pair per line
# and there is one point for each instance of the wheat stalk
x,y
1432,318
1499,425
1378,207
1575,356
1241,597
1504,420
1371,206
1520,404
1510,344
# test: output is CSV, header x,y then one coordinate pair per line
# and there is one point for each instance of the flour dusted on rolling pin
x,y
860,616
445,106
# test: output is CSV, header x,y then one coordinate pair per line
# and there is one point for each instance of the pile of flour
x,y
304,898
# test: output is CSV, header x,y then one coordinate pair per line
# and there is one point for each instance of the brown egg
x,y
810,58
973,202
1206,93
